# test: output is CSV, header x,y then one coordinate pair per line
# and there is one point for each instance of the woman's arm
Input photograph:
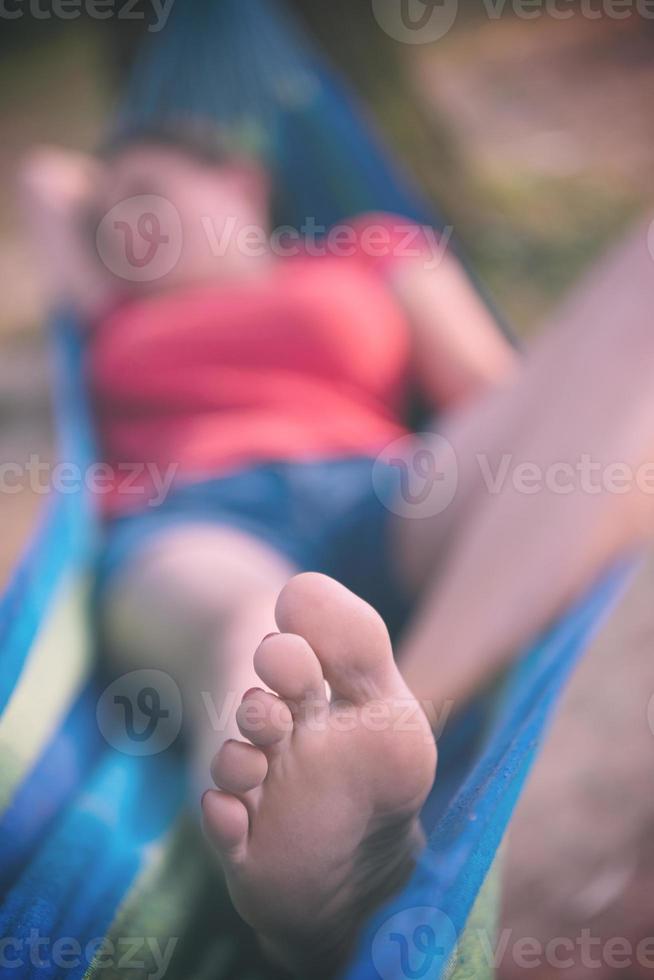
x,y
58,188
459,350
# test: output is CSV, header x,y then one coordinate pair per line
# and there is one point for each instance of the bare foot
x,y
316,819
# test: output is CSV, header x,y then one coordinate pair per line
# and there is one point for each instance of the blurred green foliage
x,y
529,236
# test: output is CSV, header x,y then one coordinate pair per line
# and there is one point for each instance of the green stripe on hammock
x,y
57,667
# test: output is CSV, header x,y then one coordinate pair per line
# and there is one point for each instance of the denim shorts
x,y
324,516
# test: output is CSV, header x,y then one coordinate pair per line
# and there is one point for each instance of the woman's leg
x,y
579,420
195,602
316,819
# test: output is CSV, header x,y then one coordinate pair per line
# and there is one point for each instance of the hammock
x,y
98,858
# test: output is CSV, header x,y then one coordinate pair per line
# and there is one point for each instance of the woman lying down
x,y
267,394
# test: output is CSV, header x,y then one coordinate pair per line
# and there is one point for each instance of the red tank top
x,y
311,362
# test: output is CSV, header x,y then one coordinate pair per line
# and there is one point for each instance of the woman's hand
x,y
58,189
458,347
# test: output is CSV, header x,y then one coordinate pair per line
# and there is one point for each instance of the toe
x,y
348,636
239,767
226,823
263,718
286,663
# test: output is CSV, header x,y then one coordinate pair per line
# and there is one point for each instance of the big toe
x,y
348,636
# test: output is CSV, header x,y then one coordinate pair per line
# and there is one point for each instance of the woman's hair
x,y
196,138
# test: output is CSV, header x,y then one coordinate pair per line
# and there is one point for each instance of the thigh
x,y
173,595
439,482
583,393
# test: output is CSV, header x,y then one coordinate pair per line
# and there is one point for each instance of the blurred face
x,y
163,219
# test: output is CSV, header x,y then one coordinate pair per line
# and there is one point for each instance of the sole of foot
x,y
315,818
